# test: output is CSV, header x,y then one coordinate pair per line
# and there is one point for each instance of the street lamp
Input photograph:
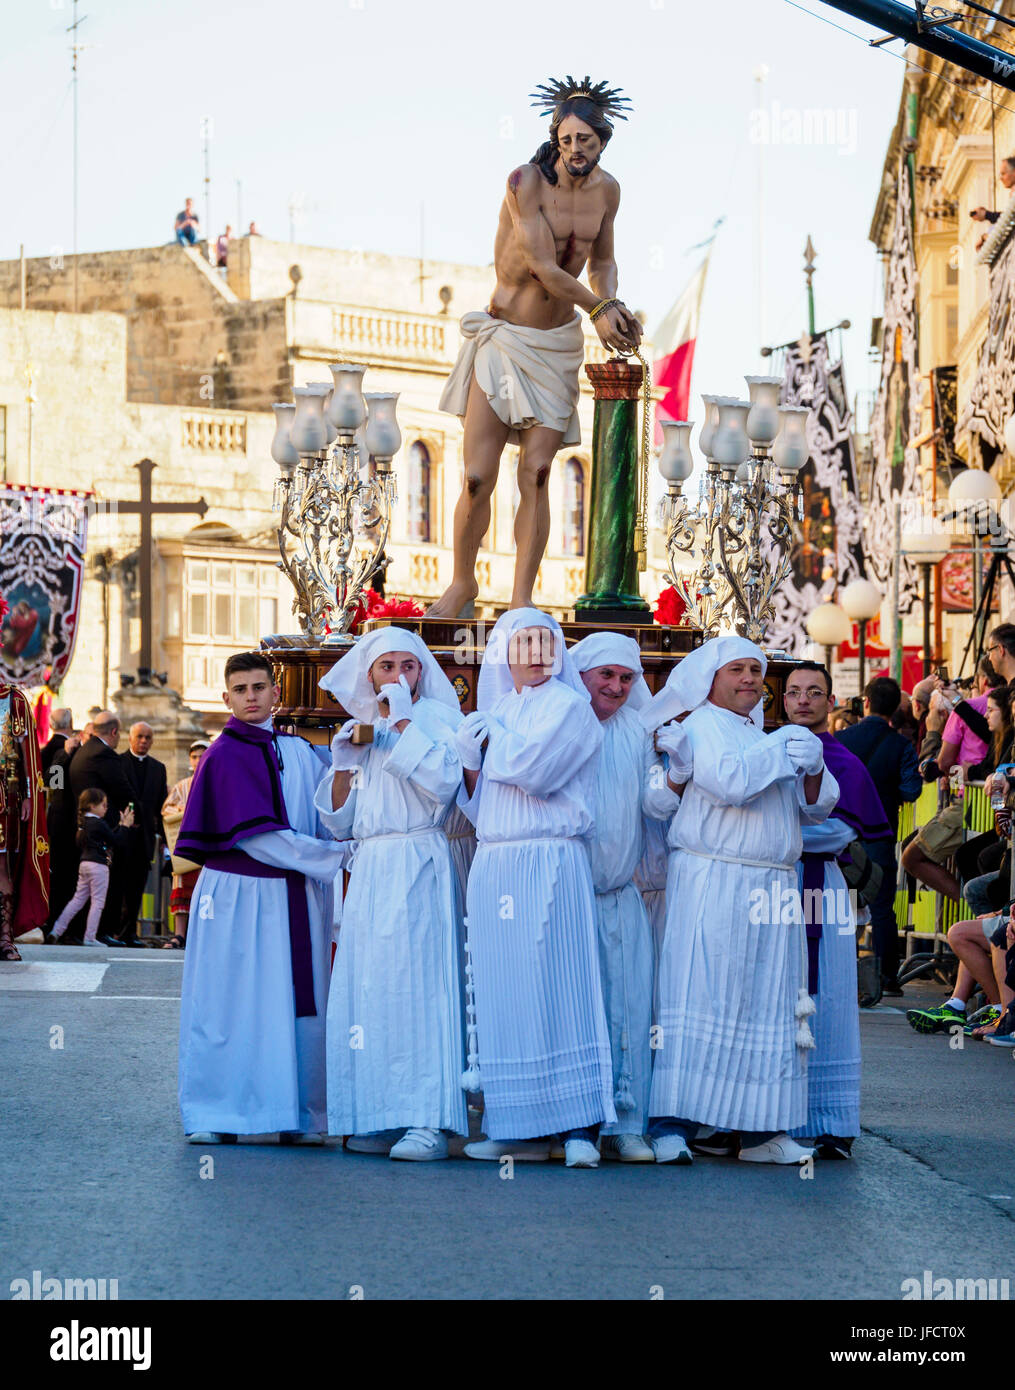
x,y
973,496
828,625
861,600
927,544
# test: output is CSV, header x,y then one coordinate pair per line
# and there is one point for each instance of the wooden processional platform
x,y
458,645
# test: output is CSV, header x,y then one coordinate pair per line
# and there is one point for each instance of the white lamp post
x,y
828,625
926,545
861,600
973,495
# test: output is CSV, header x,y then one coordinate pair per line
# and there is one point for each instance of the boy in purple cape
x,y
833,1075
255,977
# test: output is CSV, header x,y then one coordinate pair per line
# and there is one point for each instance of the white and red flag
x,y
674,341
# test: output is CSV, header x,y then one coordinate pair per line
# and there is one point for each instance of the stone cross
x,y
146,509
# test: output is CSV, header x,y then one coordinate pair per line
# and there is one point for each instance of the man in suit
x,y
149,789
891,761
61,722
95,764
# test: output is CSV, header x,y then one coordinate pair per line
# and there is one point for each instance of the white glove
x,y
673,740
399,698
805,751
469,740
346,756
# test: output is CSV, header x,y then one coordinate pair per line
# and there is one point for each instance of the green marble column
x,y
611,570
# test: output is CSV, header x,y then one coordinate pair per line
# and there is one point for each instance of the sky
x,y
361,111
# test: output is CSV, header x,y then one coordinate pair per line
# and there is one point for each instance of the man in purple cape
x,y
255,978
833,1077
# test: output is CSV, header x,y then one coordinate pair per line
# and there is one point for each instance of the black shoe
x,y
135,941
830,1146
111,941
891,987
716,1145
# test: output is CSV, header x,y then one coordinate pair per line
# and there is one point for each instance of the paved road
x,y
100,1183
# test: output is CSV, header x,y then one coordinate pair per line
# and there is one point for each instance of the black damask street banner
x,y
992,398
896,419
43,534
828,543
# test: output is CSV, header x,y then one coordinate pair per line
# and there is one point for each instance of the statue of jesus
x,y
516,377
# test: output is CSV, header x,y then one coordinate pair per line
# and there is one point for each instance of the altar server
x,y
395,1027
543,1041
732,998
255,976
630,782
833,1070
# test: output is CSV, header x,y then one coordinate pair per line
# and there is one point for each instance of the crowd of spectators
x,y
104,817
951,735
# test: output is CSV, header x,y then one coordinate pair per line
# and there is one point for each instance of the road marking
x,y
999,1196
56,976
175,997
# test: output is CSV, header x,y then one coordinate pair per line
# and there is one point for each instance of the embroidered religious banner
x,y
828,543
991,400
43,533
896,419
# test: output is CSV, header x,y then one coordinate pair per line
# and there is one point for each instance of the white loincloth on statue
x,y
529,375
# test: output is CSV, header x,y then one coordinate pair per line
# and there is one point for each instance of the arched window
x,y
419,500
574,507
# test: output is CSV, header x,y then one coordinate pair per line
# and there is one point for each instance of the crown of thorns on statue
x,y
549,95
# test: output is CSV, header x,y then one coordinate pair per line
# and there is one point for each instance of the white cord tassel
x,y
471,1079
805,1005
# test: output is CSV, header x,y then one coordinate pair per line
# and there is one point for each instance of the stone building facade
x,y
171,359
948,380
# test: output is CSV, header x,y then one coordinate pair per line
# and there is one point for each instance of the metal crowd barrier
x,y
925,918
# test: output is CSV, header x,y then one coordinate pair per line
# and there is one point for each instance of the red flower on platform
x,y
670,608
372,605
393,607
4,608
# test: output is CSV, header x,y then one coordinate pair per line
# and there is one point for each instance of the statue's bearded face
x,y
580,146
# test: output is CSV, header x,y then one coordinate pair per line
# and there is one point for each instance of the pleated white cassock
x,y
544,1045
650,875
731,963
833,1068
624,792
247,1064
395,1039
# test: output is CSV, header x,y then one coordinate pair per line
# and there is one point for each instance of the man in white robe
x,y
650,876
529,753
395,1015
732,1000
833,1072
630,783
255,976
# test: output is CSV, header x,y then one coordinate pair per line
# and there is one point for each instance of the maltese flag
x,y
674,339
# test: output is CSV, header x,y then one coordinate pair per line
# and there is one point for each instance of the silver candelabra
x,y
741,530
334,520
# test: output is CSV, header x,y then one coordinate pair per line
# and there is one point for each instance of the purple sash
x,y
235,861
814,883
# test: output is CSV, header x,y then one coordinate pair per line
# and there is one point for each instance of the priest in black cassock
x,y
149,789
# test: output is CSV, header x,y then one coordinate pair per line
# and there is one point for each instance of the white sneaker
x,y
295,1136
626,1148
521,1150
208,1136
379,1142
86,942
581,1153
421,1145
781,1149
670,1148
